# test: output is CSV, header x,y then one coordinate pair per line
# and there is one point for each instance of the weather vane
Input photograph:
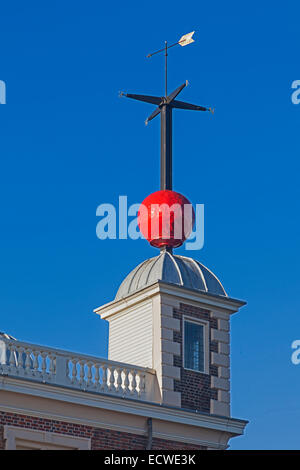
x,y
165,105
183,41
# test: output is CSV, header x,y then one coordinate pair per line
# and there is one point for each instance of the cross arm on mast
x,y
168,101
152,116
165,102
148,99
176,92
184,105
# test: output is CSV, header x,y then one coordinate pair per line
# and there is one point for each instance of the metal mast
x,y
165,105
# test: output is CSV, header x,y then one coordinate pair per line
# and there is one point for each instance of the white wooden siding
x,y
130,336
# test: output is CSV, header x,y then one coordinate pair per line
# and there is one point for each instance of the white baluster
x,y
19,351
126,380
89,373
74,370
112,378
119,379
44,364
104,377
36,361
68,363
133,381
81,373
97,374
27,360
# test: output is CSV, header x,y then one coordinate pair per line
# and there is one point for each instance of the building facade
x,y
165,384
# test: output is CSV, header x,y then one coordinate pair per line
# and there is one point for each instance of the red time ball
x,y
166,218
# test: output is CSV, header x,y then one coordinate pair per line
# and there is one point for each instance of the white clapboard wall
x,y
130,336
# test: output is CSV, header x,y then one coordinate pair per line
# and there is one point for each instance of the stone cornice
x,y
231,426
211,301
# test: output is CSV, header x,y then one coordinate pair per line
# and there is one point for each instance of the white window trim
x,y
205,324
44,440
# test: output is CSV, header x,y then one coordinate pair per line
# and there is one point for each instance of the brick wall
x,y
162,444
195,387
104,439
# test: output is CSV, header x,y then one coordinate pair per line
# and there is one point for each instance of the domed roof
x,y
173,269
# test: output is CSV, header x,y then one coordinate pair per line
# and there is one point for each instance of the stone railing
x,y
82,372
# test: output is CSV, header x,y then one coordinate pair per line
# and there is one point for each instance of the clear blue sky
x,y
68,144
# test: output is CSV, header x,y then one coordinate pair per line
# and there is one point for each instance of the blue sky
x,y
68,144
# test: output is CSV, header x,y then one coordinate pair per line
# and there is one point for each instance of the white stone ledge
x,y
109,403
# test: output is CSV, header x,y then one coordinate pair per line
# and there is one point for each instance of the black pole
x,y
166,147
166,69
166,153
166,135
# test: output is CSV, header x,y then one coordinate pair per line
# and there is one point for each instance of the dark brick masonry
x,y
195,388
104,439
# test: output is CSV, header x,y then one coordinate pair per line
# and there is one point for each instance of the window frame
x,y
205,325
35,439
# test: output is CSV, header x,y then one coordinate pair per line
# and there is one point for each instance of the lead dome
x,y
173,269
